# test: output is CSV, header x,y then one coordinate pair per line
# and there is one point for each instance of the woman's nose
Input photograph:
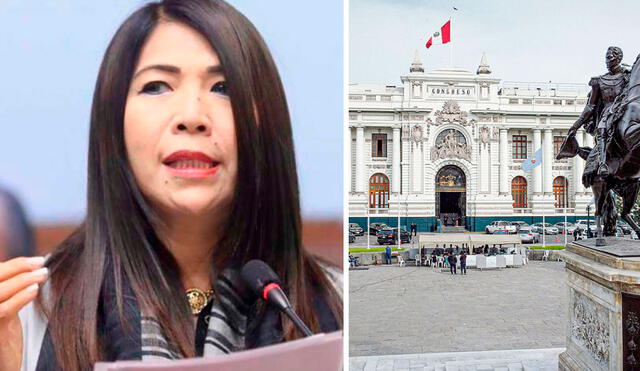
x,y
192,118
193,127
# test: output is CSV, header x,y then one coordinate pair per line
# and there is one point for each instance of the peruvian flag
x,y
442,37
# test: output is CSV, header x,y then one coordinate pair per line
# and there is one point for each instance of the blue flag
x,y
532,162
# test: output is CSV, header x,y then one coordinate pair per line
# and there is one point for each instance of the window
x,y
513,101
557,143
568,102
557,102
378,191
519,147
371,98
379,145
526,101
560,192
519,192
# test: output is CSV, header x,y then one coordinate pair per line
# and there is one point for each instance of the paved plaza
x,y
490,360
410,310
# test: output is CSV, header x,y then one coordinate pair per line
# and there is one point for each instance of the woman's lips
x,y
190,164
193,172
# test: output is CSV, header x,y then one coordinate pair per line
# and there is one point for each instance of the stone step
x,y
453,229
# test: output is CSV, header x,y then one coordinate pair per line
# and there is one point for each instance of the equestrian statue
x,y
612,115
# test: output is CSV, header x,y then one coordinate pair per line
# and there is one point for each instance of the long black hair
x,y
118,232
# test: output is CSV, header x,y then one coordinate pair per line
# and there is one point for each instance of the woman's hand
x,y
20,279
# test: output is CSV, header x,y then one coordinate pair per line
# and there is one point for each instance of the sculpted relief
x,y
590,327
484,135
451,113
415,133
450,144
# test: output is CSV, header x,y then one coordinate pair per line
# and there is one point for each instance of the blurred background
x,y
51,52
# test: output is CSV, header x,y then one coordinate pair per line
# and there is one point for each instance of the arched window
x,y
379,191
519,192
560,192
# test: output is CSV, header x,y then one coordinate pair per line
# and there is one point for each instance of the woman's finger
x,y
10,287
11,306
19,265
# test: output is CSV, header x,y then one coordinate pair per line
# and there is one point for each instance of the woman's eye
x,y
220,88
155,88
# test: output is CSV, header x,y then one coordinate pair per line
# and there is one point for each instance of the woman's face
x,y
178,126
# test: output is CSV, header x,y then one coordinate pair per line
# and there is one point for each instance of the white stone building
x,y
449,144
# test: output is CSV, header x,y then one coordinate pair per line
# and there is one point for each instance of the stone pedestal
x,y
604,306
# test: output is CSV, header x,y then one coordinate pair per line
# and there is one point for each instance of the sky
x,y
51,52
525,41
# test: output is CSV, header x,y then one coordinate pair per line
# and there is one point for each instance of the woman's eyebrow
x,y
212,70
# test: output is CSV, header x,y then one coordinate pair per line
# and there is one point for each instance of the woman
x,y
191,174
16,236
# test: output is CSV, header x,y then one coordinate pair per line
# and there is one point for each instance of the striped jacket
x,y
262,330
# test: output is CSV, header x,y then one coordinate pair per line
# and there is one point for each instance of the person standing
x,y
463,262
387,255
575,233
452,263
16,234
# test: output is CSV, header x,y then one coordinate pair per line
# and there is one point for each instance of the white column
x,y
504,147
578,165
485,164
360,175
416,165
547,161
395,167
537,172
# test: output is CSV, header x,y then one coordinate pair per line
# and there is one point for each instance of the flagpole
x,y
450,48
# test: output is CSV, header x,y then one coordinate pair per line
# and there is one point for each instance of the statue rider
x,y
604,90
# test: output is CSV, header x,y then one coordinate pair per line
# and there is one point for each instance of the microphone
x,y
265,283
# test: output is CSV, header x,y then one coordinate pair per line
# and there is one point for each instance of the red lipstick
x,y
190,164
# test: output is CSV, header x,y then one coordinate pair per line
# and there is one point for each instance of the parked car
x,y
374,228
500,225
566,227
548,228
626,229
519,224
390,236
528,235
582,224
352,237
356,229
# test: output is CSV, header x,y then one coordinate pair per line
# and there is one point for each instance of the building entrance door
x,y
451,196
